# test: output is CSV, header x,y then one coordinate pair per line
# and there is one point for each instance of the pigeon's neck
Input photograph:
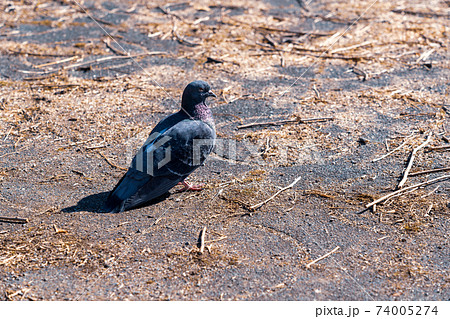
x,y
202,112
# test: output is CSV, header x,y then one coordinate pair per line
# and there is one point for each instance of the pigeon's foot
x,y
189,187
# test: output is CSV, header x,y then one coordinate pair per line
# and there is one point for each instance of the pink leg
x,y
190,187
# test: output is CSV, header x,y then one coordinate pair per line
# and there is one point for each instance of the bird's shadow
x,y
94,203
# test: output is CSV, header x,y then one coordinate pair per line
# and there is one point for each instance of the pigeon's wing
x,y
177,151
191,141
161,163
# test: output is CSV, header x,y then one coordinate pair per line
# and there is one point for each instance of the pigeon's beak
x,y
211,93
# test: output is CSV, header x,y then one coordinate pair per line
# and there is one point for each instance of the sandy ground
x,y
82,85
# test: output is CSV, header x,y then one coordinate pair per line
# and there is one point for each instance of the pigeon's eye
x,y
201,90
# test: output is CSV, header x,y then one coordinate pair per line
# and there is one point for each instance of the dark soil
x,y
68,127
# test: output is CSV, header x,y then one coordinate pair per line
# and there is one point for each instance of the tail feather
x,y
113,204
127,186
126,195
155,188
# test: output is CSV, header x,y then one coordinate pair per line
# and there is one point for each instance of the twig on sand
x,y
182,40
427,14
109,46
37,54
411,160
10,296
96,146
281,122
215,240
256,206
429,171
438,148
385,197
57,62
323,257
352,47
7,134
316,91
166,10
76,143
355,58
13,220
394,150
428,194
10,153
43,77
232,21
361,73
111,163
110,58
202,240
428,210
234,200
424,56
59,230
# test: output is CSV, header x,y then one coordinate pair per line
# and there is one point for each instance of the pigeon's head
x,y
195,93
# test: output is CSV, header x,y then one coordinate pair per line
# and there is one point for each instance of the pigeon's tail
x,y
127,196
113,204
115,201
155,188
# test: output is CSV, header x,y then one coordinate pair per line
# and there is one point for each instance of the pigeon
x,y
177,146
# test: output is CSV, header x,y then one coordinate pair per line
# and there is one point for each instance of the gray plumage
x,y
176,146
